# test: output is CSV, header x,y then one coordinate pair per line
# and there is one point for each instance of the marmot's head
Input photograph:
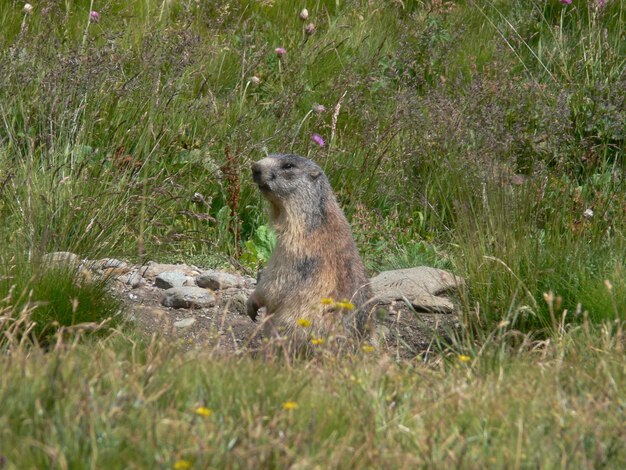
x,y
293,185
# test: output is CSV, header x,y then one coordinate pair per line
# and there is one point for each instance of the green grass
x,y
123,403
483,136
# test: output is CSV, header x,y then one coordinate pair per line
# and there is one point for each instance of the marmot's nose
x,y
256,172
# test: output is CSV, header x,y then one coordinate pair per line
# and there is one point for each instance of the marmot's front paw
x,y
252,307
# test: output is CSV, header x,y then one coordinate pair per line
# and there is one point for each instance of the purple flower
x,y
94,16
309,29
318,139
566,2
280,51
319,108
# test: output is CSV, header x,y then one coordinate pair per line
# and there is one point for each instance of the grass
x,y
483,136
127,403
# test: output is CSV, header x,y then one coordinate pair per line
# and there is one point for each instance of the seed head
x,y
304,14
27,8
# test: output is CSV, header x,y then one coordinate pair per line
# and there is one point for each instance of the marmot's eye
x,y
287,166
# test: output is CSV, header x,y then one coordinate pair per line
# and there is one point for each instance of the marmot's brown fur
x,y
315,257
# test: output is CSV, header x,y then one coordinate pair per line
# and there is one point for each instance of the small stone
x,y
112,263
136,280
188,297
61,259
184,323
217,280
190,282
167,280
153,269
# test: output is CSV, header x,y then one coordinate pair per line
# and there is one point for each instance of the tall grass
x,y
473,136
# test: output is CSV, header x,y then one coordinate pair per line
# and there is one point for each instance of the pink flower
x,y
280,51
566,2
94,16
319,108
318,139
309,29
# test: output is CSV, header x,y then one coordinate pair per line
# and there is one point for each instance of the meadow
x,y
486,137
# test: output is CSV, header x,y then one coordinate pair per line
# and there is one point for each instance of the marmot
x,y
315,258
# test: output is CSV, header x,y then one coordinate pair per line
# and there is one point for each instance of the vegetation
x,y
482,136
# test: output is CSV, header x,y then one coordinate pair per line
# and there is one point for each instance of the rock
x,y
167,280
184,323
59,259
217,280
421,286
136,280
153,269
190,282
188,297
112,263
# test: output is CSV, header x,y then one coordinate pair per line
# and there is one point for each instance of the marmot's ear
x,y
314,174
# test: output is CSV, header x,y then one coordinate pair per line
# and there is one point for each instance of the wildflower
x,y
304,323
318,139
290,405
182,465
566,2
27,8
254,80
304,14
280,51
94,16
588,214
464,358
309,29
327,301
317,341
319,108
344,304
368,348
203,411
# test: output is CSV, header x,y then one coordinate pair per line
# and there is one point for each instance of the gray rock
x,y
423,287
218,280
188,297
61,259
190,281
112,263
184,323
167,280
153,269
136,280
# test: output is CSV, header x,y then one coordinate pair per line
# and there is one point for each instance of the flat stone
x,y
422,287
217,280
153,269
188,297
184,323
167,280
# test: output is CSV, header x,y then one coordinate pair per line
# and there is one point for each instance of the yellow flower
x,y
327,301
346,305
290,405
182,465
316,341
368,348
203,411
304,323
464,358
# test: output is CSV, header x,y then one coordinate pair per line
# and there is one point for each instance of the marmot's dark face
x,y
281,177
